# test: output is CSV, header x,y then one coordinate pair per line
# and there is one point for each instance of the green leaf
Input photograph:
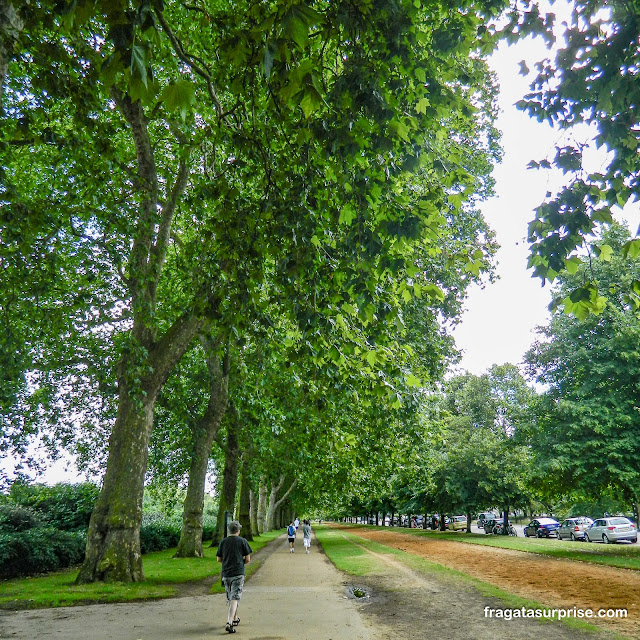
x,y
179,97
371,358
631,249
139,63
413,381
572,264
605,252
422,105
298,32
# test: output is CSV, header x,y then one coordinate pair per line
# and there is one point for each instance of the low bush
x,y
38,550
65,506
17,518
158,532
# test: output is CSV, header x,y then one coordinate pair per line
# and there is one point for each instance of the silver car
x,y
574,528
610,530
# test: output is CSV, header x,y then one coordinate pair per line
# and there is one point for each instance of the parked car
x,y
483,517
489,524
574,528
610,530
541,528
458,523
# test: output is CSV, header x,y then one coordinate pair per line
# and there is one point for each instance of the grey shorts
x,y
233,587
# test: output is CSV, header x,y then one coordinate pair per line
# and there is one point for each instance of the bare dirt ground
x,y
553,582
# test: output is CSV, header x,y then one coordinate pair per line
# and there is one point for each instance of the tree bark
x,y
113,540
204,433
253,512
274,502
229,477
10,27
244,510
262,508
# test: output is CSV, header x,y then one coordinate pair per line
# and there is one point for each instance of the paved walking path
x,y
291,597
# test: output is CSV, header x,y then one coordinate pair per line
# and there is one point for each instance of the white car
x,y
610,530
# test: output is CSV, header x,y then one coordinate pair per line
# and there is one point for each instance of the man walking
x,y
234,552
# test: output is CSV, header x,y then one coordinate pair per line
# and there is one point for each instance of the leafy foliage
x,y
38,550
592,81
63,506
588,429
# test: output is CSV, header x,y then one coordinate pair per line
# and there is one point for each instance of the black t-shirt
x,y
232,550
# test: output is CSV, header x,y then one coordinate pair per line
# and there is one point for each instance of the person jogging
x,y
233,552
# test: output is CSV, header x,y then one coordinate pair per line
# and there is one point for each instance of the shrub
x,y
38,550
64,506
159,532
17,518
208,527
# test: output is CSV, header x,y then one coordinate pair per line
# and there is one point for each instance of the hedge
x,y
64,506
31,551
34,551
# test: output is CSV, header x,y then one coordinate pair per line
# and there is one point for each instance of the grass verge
x,y
163,574
624,556
345,549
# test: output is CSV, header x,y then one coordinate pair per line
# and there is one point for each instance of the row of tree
x,y
244,229
496,441
218,220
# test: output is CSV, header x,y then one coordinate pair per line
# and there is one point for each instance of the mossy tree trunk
x,y
113,539
146,360
229,475
244,508
204,433
253,511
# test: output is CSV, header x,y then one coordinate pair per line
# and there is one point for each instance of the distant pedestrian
x,y
296,523
306,531
291,534
233,552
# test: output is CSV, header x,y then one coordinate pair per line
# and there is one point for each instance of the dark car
x,y
489,524
541,528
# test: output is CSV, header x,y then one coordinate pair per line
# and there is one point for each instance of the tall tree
x,y
314,144
587,428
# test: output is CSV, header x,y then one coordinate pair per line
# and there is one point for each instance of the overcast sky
x,y
499,323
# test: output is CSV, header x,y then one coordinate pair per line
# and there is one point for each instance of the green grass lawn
x,y
162,574
346,552
625,556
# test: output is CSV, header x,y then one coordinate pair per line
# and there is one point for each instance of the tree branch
x,y
286,495
189,61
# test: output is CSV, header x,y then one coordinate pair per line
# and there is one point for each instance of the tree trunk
x,y
262,508
505,528
113,539
274,502
244,509
253,512
424,521
10,27
468,521
229,479
204,433
443,526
